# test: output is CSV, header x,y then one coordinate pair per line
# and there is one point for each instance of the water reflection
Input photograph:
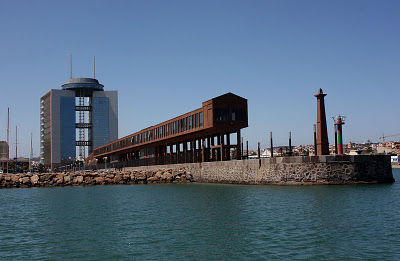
x,y
201,221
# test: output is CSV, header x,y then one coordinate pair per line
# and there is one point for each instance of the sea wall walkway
x,y
339,169
279,171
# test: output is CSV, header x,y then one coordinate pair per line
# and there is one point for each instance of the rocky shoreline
x,y
27,180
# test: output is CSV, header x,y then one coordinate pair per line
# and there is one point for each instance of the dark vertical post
x,y
202,149
241,151
272,145
210,143
203,144
290,143
193,147
247,149
315,140
224,155
228,142
159,150
322,132
166,153
16,150
239,148
259,156
185,149
158,154
178,150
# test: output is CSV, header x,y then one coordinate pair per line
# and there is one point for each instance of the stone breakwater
x,y
298,170
95,178
342,169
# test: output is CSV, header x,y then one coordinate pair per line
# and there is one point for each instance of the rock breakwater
x,y
91,178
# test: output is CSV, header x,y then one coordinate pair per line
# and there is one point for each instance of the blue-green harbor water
x,y
201,222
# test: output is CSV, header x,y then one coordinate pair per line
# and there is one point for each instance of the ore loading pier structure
x,y
201,135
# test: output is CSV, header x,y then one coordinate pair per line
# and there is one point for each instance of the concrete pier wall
x,y
337,169
279,171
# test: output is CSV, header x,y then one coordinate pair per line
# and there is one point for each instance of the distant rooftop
x,y
83,80
83,83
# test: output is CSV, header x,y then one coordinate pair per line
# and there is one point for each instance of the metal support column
x,y
238,150
272,145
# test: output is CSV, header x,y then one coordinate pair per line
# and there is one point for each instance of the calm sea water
x,y
201,222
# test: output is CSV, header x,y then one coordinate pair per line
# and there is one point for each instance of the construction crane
x,y
387,136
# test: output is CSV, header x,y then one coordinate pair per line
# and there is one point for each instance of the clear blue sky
x,y
166,57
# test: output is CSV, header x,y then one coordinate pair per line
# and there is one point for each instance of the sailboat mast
x,y
8,136
16,148
30,156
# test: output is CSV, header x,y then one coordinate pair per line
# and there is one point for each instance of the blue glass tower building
x,y
74,120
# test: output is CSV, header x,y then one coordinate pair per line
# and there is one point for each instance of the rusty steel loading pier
x,y
198,136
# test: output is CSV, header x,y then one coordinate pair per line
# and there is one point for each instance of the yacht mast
x,y
30,156
8,136
16,149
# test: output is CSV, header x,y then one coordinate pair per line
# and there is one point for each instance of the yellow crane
x,y
387,136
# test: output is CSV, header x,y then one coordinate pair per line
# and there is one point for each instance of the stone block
x,y
284,160
34,179
362,158
278,160
14,177
306,159
88,180
118,178
110,176
99,180
67,179
158,174
60,178
77,180
340,158
25,180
